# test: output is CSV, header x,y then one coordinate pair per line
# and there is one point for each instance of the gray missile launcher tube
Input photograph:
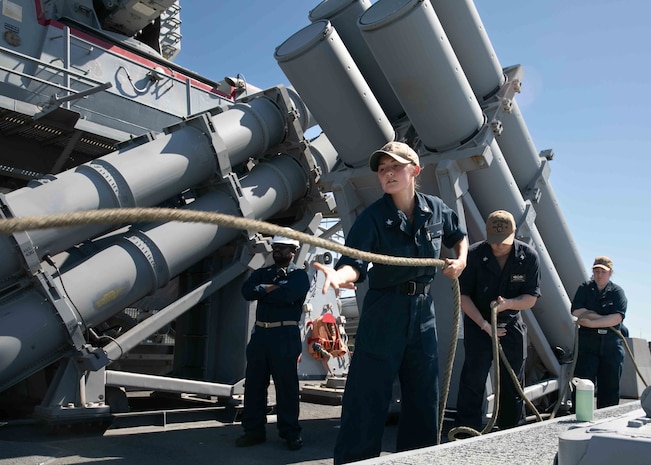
x,y
328,80
402,36
142,176
472,46
32,335
324,153
343,15
393,32
411,47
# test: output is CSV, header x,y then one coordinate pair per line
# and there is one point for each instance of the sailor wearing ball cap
x,y
397,328
503,273
600,304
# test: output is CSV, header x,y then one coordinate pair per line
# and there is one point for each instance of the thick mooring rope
x,y
139,215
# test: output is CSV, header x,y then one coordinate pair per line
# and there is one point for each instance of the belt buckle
x,y
602,331
266,324
411,288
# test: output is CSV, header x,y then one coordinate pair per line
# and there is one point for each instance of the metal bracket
x,y
56,101
153,256
63,306
23,241
524,224
204,123
294,144
502,101
532,192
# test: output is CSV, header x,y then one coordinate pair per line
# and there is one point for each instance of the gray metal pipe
x,y
138,263
141,176
146,382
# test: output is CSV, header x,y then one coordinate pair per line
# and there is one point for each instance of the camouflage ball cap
x,y
500,228
399,151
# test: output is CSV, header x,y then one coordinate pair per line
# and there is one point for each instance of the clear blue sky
x,y
586,95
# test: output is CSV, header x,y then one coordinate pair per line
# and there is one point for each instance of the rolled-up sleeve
x,y
362,236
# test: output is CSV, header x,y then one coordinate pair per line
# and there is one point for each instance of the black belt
x,y
275,324
408,288
601,331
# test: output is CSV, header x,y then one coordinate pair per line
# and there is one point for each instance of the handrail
x,y
42,81
47,65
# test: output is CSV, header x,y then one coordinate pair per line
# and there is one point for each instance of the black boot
x,y
248,440
295,443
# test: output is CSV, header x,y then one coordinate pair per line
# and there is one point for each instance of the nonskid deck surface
x,y
213,441
197,442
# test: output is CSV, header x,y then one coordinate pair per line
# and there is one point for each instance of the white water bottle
x,y
584,407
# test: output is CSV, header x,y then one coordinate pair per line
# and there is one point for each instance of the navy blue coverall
x,y
601,351
274,351
396,335
483,281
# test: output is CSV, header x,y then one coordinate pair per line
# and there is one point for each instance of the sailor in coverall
x,y
504,272
275,345
397,328
599,304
